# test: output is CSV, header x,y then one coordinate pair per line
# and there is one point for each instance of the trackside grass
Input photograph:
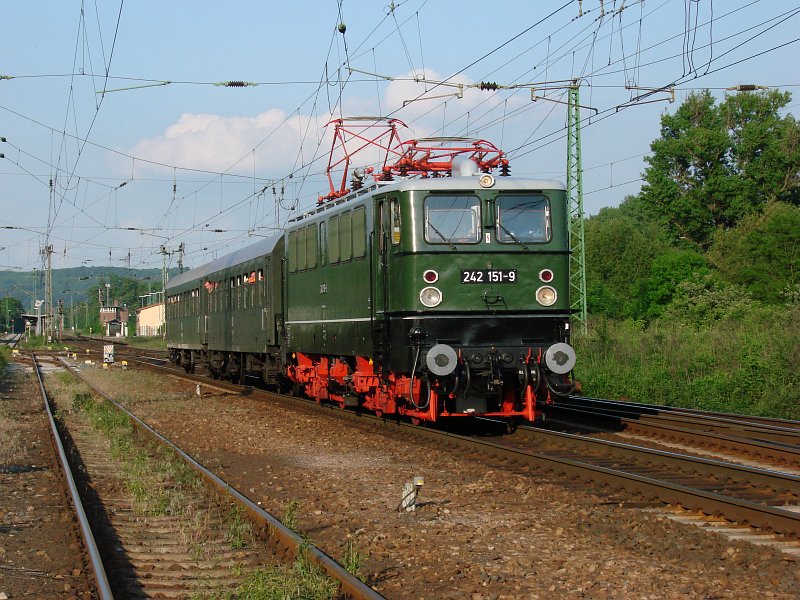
x,y
748,365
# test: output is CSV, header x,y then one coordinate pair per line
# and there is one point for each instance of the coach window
x,y
323,243
523,218
359,232
452,219
311,246
394,216
346,236
333,238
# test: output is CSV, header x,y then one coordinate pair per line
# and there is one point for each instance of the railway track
x,y
180,553
761,498
102,587
10,339
770,441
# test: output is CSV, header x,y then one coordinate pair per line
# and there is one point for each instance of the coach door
x,y
265,302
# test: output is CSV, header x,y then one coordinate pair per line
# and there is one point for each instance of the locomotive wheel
x,y
416,421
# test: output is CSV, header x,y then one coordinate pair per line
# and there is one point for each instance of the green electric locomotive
x,y
430,297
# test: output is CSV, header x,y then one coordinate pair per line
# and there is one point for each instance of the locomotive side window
x,y
334,240
345,236
359,232
323,243
451,219
301,249
523,218
394,216
311,246
292,251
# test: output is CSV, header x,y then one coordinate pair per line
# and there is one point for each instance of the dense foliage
x,y
714,164
10,311
693,285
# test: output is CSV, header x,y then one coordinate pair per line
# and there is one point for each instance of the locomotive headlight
x,y
430,296
486,180
546,295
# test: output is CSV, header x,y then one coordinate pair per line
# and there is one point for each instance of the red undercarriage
x,y
389,394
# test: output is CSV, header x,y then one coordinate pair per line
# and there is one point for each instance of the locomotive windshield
x,y
452,219
523,219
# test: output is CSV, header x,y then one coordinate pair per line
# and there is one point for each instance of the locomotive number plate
x,y
488,276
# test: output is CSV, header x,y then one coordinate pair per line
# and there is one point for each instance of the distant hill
x,y
70,283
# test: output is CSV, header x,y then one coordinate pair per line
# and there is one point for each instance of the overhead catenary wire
x,y
500,112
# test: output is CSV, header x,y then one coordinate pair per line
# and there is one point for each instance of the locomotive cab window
x,y
523,218
452,219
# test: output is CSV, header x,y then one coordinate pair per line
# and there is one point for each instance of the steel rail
x,y
775,480
284,540
644,408
100,578
766,517
769,433
787,452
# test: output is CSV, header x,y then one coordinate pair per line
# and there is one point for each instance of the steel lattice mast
x,y
577,262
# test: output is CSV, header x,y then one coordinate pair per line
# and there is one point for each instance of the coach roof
x,y
245,254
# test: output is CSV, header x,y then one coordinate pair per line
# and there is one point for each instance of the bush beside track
x,y
748,364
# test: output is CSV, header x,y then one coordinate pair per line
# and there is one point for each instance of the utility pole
x,y
47,258
577,261
164,278
181,251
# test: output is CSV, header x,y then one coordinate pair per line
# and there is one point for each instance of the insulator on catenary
x,y
236,84
491,86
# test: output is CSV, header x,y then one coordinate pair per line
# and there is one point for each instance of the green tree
x,y
716,163
762,254
620,249
667,272
10,310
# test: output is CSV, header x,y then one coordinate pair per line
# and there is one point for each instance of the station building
x,y
114,319
150,320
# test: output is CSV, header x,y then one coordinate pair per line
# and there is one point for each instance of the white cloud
x,y
217,143
273,140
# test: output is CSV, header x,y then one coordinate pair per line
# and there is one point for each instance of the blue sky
x,y
151,163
